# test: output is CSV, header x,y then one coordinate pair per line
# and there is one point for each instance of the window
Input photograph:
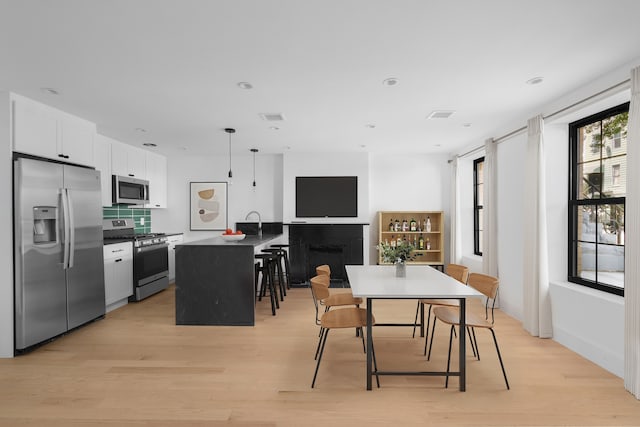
x,y
478,196
615,175
597,191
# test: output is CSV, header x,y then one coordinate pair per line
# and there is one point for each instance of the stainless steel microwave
x,y
130,191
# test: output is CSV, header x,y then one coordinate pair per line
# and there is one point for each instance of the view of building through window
x,y
598,190
478,196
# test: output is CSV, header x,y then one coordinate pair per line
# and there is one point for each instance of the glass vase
x,y
401,269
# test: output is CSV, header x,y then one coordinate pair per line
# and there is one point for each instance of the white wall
x,y
6,230
407,182
265,198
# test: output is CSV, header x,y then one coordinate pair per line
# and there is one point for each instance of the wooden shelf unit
x,y
432,256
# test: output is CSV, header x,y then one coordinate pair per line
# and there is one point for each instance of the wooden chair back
x,y
458,272
323,269
488,285
320,287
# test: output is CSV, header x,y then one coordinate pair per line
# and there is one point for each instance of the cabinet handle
x,y
63,156
131,174
119,259
157,206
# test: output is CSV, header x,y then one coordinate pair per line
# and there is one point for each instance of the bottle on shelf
x,y
415,242
405,225
399,240
428,244
391,225
396,225
393,241
412,225
427,226
421,242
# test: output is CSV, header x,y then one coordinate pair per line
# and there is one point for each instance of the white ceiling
x,y
171,67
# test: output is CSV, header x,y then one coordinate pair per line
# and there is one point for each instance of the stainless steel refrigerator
x,y
59,270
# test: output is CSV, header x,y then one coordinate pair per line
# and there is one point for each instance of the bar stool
x,y
287,267
278,271
267,269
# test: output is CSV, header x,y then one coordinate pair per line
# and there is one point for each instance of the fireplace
x,y
311,245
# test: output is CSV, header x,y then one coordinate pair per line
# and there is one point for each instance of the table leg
x,y
421,319
462,352
369,344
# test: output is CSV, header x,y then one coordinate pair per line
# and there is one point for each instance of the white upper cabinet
x,y
127,160
102,154
156,166
44,131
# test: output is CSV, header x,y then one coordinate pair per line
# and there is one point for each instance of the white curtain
x,y
456,232
535,295
632,245
489,210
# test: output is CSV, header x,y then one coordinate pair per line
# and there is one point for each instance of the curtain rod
x,y
555,113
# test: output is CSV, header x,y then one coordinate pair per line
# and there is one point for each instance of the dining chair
x,y
323,297
349,317
458,272
488,286
323,269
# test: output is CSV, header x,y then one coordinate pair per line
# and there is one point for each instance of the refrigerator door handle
x,y
65,228
72,230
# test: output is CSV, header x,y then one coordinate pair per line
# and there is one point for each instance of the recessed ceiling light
x,y
437,145
149,144
245,85
287,147
535,80
363,146
440,114
274,128
466,125
370,126
141,130
49,91
391,81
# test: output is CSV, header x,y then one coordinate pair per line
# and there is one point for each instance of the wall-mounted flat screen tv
x,y
326,196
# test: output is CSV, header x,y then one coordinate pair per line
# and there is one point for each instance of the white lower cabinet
x,y
173,240
118,274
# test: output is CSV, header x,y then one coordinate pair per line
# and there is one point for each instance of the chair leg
x,y
504,373
471,341
415,320
426,330
319,341
324,341
475,340
433,332
364,348
446,383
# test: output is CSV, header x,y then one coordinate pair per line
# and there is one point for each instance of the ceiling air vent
x,y
440,114
272,117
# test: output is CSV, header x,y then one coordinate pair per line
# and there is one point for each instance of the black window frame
x,y
477,207
574,202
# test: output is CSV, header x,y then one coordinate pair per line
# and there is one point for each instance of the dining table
x,y
379,282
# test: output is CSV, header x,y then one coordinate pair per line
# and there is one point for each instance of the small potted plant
x,y
398,255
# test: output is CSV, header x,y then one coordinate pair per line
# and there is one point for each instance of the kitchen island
x,y
215,282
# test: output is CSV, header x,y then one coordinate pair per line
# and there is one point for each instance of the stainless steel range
x,y
150,257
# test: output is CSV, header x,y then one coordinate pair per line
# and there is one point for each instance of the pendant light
x,y
254,151
230,131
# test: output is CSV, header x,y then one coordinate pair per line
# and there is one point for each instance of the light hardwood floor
x,y
137,368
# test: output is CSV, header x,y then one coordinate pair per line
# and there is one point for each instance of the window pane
x,y
611,265
586,223
480,189
615,177
586,266
480,173
591,181
480,219
590,139
480,240
614,131
611,224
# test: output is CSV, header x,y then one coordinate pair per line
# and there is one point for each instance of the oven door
x,y
150,263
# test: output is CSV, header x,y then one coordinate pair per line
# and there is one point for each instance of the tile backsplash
x,y
141,216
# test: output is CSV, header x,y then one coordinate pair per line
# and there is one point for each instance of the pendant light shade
x,y
230,131
254,151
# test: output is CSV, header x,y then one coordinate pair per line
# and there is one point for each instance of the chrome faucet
x,y
259,221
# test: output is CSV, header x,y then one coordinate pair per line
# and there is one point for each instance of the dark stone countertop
x,y
247,241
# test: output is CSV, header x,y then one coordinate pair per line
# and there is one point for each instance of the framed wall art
x,y
208,207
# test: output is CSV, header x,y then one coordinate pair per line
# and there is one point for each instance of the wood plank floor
x,y
137,368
